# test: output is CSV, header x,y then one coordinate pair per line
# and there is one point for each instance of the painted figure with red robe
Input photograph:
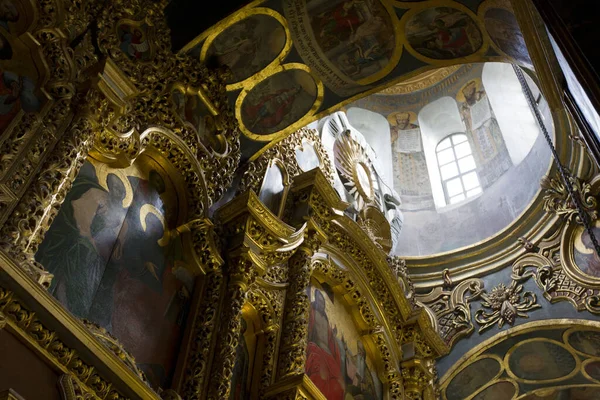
x,y
324,358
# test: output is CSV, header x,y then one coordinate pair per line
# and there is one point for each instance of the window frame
x,y
459,175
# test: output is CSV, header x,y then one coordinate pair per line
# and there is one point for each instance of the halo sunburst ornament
x,y
355,169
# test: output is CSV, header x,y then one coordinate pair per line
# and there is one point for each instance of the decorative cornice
x,y
65,353
421,81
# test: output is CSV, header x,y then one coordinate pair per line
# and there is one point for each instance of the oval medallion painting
x,y
278,101
443,33
587,342
357,37
503,28
472,378
540,361
502,390
248,46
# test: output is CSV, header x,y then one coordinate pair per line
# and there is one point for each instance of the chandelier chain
x,y
564,173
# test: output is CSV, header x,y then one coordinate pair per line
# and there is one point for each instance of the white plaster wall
x,y
438,120
375,129
512,111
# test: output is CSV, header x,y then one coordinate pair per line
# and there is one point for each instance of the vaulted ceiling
x,y
294,61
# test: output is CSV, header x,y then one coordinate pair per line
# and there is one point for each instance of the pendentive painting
x,y
356,35
248,46
348,44
586,342
278,101
540,361
115,263
337,362
22,71
443,33
503,28
585,257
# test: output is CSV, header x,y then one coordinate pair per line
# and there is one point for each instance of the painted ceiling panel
x,y
294,61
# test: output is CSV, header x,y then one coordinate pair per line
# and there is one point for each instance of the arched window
x,y
457,168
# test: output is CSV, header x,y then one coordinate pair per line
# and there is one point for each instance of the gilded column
x,y
294,339
205,322
30,220
240,272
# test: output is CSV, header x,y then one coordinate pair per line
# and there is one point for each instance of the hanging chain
x,y
564,173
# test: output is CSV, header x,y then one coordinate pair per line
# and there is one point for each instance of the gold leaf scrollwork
x,y
558,201
451,307
71,390
115,347
505,304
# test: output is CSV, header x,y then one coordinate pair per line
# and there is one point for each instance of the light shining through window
x,y
457,168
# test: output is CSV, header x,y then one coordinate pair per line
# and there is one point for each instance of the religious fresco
x,y
585,258
503,28
491,154
592,370
21,68
115,264
15,16
586,342
248,46
353,47
541,361
473,377
537,360
356,35
573,393
336,359
135,40
411,177
443,33
278,101
348,43
497,391
196,111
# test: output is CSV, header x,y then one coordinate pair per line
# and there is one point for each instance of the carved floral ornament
x,y
561,264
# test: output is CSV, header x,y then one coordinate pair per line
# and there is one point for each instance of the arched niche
x,y
274,187
438,120
339,339
258,317
118,260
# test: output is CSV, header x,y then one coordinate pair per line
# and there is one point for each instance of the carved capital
x,y
416,378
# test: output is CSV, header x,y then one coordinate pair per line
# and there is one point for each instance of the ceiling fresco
x,y
294,61
553,359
